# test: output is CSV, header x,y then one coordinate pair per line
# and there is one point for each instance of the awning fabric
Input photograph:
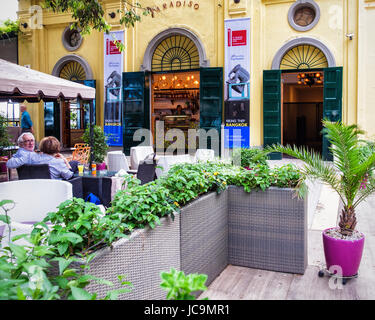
x,y
18,81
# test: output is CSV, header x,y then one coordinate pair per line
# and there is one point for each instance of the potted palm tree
x,y
351,176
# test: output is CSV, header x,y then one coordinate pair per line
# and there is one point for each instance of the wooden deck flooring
x,y
240,283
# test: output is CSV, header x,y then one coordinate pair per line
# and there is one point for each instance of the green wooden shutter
x,y
52,119
272,109
136,106
86,104
332,104
211,103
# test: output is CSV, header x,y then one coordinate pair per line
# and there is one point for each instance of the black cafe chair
x,y
33,171
146,169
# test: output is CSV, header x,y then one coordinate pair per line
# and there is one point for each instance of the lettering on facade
x,y
173,4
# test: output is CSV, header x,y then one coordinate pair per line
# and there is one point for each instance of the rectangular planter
x,y
204,235
263,230
267,230
141,258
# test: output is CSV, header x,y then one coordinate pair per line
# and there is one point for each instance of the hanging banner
x,y
237,82
113,68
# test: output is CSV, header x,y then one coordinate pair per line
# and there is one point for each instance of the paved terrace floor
x,y
240,283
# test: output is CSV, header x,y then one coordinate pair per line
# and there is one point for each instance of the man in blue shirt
x,y
26,123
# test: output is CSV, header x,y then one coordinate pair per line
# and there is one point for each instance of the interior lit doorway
x,y
302,97
175,103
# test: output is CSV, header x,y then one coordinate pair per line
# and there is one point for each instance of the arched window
x,y
304,56
176,52
73,71
303,53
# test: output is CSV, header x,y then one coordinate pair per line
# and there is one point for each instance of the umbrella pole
x,y
91,133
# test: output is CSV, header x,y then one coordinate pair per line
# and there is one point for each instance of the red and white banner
x,y
113,68
237,83
237,57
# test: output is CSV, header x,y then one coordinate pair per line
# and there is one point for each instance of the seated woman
x,y
50,154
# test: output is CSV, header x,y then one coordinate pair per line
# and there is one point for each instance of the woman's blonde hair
x,y
49,145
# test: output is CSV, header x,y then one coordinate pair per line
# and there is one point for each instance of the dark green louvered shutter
x,y
211,103
332,103
52,119
136,106
86,104
272,109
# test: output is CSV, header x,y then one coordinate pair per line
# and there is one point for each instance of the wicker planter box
x,y
204,235
267,230
141,258
263,230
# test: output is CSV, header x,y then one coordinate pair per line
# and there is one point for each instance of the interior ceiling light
x,y
310,78
174,82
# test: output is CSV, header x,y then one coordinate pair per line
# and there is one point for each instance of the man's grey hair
x,y
20,138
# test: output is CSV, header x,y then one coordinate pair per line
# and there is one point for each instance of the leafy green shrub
x,y
186,182
4,136
100,146
255,178
181,286
80,226
286,176
139,206
9,29
77,226
26,272
249,158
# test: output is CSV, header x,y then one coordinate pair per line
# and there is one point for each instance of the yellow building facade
x,y
339,30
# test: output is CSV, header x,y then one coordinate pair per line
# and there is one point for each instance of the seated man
x,y
59,166
25,154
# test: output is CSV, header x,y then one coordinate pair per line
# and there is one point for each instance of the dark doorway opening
x,y
302,109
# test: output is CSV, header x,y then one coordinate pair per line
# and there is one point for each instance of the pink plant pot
x,y
344,253
101,166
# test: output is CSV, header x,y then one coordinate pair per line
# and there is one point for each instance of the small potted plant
x,y
351,176
4,142
100,146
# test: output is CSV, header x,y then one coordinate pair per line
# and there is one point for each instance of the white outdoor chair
x,y
117,161
166,162
33,200
138,154
204,155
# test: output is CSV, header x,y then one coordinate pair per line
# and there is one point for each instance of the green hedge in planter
x,y
80,226
142,205
186,182
250,157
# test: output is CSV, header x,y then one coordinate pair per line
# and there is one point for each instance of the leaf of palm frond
x,y
363,193
358,173
314,168
366,166
344,141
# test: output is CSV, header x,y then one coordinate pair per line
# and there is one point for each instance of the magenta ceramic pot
x,y
100,166
344,253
